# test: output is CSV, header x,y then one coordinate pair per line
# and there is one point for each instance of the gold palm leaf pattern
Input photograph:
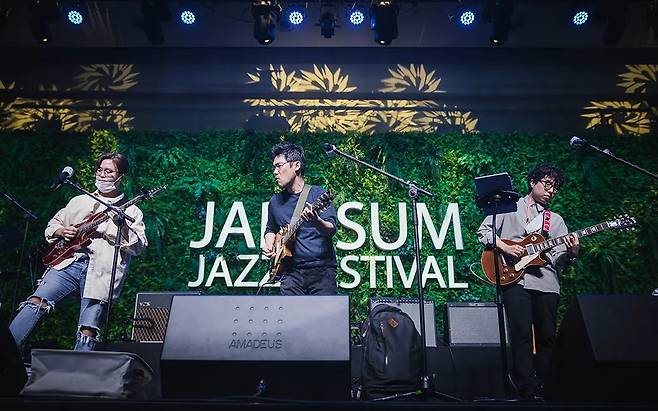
x,y
7,106
626,117
103,77
638,76
623,120
403,78
107,113
355,115
31,114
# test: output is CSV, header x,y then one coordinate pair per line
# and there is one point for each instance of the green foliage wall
x,y
229,166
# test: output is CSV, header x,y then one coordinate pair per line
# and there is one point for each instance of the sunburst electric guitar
x,y
284,238
512,269
63,248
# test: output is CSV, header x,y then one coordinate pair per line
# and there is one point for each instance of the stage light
x,y
328,21
466,18
499,14
42,12
187,17
614,14
265,13
327,25
384,21
580,17
296,17
74,17
155,12
652,17
356,15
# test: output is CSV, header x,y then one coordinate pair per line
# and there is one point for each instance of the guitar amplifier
x,y
410,307
152,314
473,324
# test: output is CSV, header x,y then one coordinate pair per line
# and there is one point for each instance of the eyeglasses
x,y
106,171
278,165
549,185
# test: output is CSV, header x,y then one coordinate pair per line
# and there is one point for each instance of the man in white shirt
x,y
87,273
533,300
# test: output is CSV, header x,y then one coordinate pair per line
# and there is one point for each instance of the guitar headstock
x,y
323,202
622,222
149,194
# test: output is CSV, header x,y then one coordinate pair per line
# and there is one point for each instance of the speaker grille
x,y
473,324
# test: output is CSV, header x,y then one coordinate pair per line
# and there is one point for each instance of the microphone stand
x,y
28,216
608,153
413,190
495,199
120,221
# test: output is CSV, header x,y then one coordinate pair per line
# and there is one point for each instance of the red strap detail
x,y
547,222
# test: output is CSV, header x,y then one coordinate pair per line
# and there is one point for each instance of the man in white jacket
x,y
87,273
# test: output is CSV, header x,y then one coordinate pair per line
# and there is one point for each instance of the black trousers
x,y
309,281
525,308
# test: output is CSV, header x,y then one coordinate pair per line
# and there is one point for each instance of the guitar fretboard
x,y
554,242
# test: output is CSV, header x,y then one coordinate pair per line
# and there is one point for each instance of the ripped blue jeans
x,y
56,286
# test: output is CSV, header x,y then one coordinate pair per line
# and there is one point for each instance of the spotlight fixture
x,y
580,17
42,12
328,21
74,17
384,20
613,13
580,12
467,17
652,17
187,17
155,12
293,15
499,14
465,14
356,15
5,12
266,13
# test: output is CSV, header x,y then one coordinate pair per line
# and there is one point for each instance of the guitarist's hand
x,y
309,214
514,250
573,245
68,232
268,245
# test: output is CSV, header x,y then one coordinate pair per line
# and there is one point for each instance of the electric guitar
x,y
512,269
283,239
63,248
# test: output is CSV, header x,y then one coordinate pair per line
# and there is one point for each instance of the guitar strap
x,y
546,226
300,204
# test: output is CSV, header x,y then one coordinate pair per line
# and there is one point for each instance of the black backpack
x,y
391,353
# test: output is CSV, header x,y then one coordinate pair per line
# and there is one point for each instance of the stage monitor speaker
x,y
473,324
151,315
606,350
278,346
410,307
12,371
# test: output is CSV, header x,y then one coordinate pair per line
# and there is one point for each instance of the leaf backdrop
x,y
226,166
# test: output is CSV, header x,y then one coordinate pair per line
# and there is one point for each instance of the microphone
x,y
67,172
578,142
329,149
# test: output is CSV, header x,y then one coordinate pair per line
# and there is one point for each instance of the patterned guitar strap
x,y
546,226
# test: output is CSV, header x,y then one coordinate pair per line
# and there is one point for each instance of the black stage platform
x,y
470,373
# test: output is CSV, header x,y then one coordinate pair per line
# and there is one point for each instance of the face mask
x,y
106,186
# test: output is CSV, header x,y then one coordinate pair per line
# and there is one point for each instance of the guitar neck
x,y
554,242
92,225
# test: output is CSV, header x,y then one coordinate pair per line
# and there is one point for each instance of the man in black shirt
x,y
313,267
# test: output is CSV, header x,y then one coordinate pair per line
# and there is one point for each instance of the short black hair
x,y
546,170
291,152
119,160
